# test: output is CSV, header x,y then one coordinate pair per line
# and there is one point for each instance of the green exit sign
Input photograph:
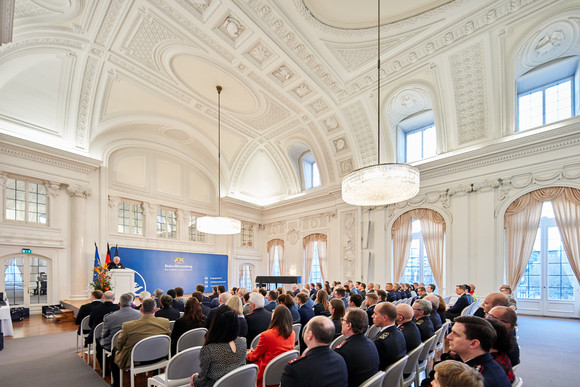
x,y
26,251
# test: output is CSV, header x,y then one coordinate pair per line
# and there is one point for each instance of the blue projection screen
x,y
168,269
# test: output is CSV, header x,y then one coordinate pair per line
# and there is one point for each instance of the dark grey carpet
x,y
548,351
48,360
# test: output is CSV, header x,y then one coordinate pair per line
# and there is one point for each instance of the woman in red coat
x,y
277,339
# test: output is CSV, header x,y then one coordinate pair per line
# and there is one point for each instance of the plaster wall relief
x,y
260,54
358,120
349,244
274,114
52,188
86,101
315,222
469,82
275,229
110,21
345,166
232,30
283,74
340,144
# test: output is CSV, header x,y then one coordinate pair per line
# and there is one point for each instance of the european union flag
x,y
97,263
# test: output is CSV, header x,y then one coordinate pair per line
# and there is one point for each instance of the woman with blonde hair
x,y
321,304
277,339
235,303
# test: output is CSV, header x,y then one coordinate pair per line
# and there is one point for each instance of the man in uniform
x,y
318,366
434,316
358,351
471,338
421,311
391,294
371,302
492,300
408,327
389,341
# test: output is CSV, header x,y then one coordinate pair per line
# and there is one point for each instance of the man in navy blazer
x,y
258,319
461,303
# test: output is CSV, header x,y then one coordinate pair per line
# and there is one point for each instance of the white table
x,y
6,320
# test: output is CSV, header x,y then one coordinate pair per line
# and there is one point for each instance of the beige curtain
x,y
521,221
308,244
271,246
402,235
433,230
567,213
322,259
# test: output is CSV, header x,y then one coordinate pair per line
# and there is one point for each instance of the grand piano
x,y
277,280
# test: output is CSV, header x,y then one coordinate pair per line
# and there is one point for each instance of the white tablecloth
x,y
6,321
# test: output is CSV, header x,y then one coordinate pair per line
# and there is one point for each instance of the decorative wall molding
x,y
110,21
52,188
86,102
358,120
6,21
314,222
78,191
348,244
114,202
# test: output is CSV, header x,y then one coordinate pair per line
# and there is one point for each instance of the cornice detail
x,y
78,191
86,101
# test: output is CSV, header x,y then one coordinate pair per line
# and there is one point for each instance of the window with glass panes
x,y
25,201
166,223
418,268
276,265
420,143
130,218
194,234
315,275
310,172
246,277
548,262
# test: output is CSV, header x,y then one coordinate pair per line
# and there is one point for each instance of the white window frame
x,y
417,122
166,223
135,219
311,175
27,202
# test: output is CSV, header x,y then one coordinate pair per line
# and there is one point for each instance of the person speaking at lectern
x,y
116,264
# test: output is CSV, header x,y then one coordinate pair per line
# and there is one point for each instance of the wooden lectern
x,y
122,281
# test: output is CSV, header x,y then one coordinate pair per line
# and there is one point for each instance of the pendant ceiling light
x,y
219,224
380,184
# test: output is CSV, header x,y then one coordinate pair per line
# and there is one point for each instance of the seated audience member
x,y
204,308
271,297
179,295
113,322
472,292
167,310
213,295
362,290
370,303
258,319
389,341
468,294
421,311
134,331
421,292
370,288
490,301
359,352
309,301
306,313
507,290
177,305
223,350
501,346
85,309
431,288
327,288
408,327
392,295
355,301
157,297
235,303
246,302
295,289
220,290
192,318
277,339
339,294
383,296
222,299
142,297
321,304
337,311
233,291
434,316
451,373
288,302
462,302
319,365
442,307
509,318
100,311
471,338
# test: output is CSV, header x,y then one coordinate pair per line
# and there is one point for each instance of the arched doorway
x,y
26,279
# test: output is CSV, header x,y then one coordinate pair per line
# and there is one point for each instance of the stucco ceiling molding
x,y
110,22
86,101
406,100
201,9
363,133
289,176
232,30
273,114
469,84
260,54
345,166
274,91
321,149
38,11
354,57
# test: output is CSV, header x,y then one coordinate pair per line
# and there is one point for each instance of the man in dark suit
x,y
205,309
392,295
215,302
320,366
389,341
204,300
259,318
421,311
461,303
371,301
99,312
115,264
306,313
85,310
358,351
407,326
272,297
167,311
175,304
434,316
222,299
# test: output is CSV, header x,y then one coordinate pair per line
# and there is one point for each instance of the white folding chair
x,y
192,338
441,338
254,343
394,373
411,366
297,328
108,353
147,349
81,336
179,369
518,382
372,331
374,381
274,369
424,357
96,337
337,341
171,324
244,376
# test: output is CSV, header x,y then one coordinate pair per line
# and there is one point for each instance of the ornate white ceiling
x,y
95,76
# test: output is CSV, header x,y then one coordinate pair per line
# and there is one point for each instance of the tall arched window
x,y
548,93
419,251
315,263
275,256
417,137
246,275
310,173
